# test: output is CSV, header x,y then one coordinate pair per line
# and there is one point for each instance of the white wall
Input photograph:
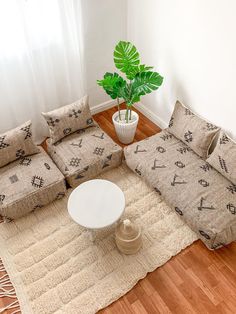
x,y
192,43
105,23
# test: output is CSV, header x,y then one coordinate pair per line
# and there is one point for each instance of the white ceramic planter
x,y
125,131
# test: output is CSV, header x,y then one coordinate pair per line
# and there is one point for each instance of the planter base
x,y
125,131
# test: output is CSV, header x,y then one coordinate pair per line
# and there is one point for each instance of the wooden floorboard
x,y
195,281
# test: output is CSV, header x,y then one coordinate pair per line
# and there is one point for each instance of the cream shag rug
x,y
55,268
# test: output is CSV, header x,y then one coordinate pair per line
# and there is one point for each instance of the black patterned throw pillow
x,y
223,157
194,131
68,119
17,143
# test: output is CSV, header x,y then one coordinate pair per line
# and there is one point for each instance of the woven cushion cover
x,y
197,133
17,143
223,157
85,154
199,194
28,184
68,119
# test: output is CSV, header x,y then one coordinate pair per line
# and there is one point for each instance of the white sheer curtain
x,y
41,59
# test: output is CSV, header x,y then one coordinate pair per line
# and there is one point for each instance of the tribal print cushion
x,y
68,119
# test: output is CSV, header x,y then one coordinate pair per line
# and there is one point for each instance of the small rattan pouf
x,y
128,237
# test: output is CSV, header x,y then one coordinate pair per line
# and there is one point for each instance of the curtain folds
x,y
41,60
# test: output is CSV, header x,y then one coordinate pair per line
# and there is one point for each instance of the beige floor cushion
x,y
28,184
199,194
85,154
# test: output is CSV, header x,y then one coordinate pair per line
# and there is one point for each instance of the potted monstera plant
x,y
140,80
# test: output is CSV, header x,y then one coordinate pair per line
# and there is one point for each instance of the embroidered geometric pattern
x,y
106,163
37,181
174,182
27,130
137,150
47,166
201,207
204,183
166,137
137,171
223,164
206,167
211,127
204,234
157,190
179,211
188,136
99,136
25,161
89,121
184,150
75,113
161,149
20,153
2,197
179,164
231,188
224,139
52,122
67,131
171,123
75,161
98,151
60,195
13,178
2,144
38,206
188,112
80,174
155,165
231,208
77,144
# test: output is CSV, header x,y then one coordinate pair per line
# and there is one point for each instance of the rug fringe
x,y
7,290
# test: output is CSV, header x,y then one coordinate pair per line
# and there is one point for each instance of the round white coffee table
x,y
96,204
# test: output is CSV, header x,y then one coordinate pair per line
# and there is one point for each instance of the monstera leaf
x,y
126,58
146,82
112,84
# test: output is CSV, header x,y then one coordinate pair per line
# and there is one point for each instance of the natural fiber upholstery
x,y
85,154
68,119
28,184
223,157
198,193
17,143
197,133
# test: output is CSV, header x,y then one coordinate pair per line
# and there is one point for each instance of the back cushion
x,y
17,143
197,133
223,157
68,119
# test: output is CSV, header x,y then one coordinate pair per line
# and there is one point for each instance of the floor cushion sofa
x,y
78,146
28,184
201,195
84,154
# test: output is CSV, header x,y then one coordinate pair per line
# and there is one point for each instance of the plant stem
x,y
130,112
127,115
118,106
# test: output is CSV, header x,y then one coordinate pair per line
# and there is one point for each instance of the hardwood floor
x,y
195,281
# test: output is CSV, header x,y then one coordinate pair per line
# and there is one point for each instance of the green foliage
x,y
142,80
112,83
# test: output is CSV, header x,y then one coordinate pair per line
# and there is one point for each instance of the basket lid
x,y
127,230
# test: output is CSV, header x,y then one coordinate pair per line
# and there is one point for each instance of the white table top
x,y
96,204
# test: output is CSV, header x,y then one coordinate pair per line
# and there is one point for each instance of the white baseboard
x,y
103,106
151,116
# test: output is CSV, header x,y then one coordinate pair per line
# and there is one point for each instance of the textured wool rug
x,y
55,268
